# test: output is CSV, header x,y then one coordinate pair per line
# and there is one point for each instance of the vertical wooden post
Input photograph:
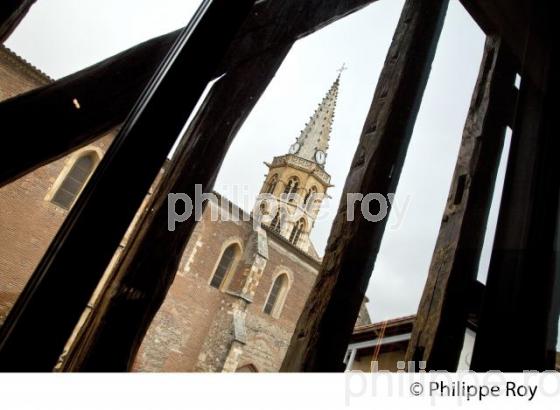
x,y
325,326
518,327
441,321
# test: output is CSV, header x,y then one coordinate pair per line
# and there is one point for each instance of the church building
x,y
245,275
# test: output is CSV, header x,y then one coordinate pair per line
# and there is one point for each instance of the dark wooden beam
x,y
523,287
441,320
11,14
268,28
59,289
325,326
145,271
49,126
108,90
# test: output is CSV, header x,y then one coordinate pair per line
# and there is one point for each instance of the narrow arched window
x,y
74,181
297,231
272,184
311,195
292,187
224,266
276,224
248,368
277,296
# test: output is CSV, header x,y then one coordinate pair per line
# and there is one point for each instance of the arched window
x,y
297,231
311,195
277,296
291,188
272,184
224,266
248,368
74,180
276,224
263,209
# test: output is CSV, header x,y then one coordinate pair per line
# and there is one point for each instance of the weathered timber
x,y
518,325
11,14
325,326
49,125
59,289
145,271
107,90
441,321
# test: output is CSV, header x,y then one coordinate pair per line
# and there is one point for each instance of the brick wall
x,y
193,331
28,220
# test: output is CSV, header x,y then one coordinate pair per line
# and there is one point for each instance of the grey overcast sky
x,y
62,36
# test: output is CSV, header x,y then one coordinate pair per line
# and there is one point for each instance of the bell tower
x,y
297,182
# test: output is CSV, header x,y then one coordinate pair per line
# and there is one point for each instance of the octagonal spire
x,y
313,141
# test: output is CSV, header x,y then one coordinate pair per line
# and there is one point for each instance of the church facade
x,y
245,275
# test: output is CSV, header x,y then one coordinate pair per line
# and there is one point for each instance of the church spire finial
x,y
313,142
341,69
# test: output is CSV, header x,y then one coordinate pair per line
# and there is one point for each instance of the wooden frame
x,y
522,29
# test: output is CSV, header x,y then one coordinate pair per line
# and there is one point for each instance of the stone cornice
x,y
303,165
25,66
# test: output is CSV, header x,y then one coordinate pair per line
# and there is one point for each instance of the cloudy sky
x,y
62,36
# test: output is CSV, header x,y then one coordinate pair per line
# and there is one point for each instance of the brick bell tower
x,y
297,182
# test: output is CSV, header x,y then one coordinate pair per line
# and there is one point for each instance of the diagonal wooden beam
x,y
11,14
325,326
108,90
49,125
441,321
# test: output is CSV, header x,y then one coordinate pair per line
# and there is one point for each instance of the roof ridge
x,y
26,64
389,322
